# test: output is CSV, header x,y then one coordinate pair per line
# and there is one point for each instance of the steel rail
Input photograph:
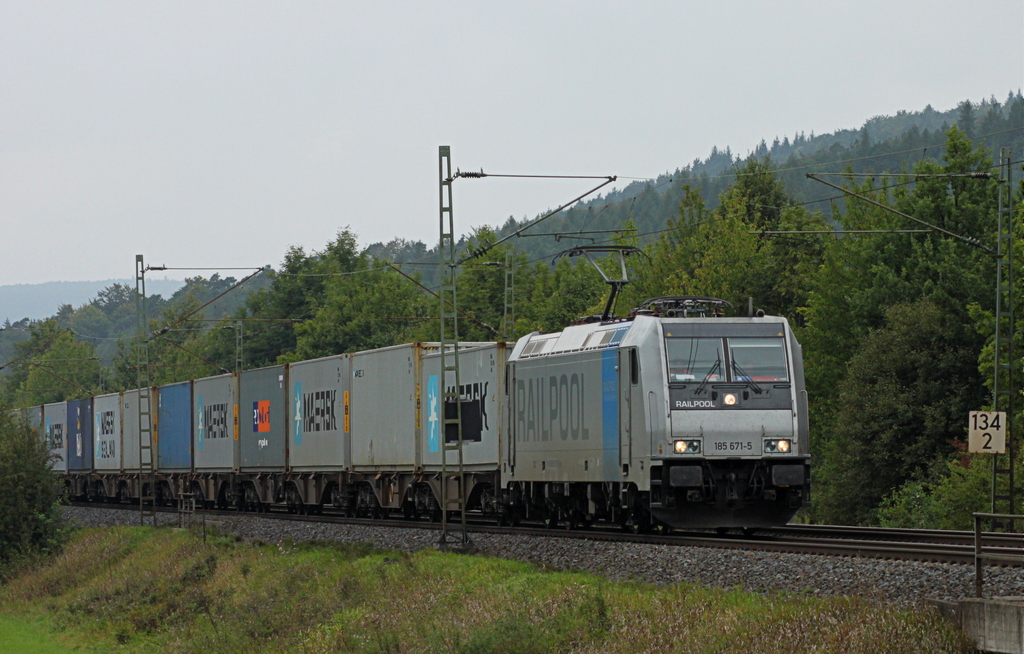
x,y
826,540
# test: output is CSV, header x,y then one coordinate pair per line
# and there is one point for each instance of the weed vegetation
x,y
30,522
161,590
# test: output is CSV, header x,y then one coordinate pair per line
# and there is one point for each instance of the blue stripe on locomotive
x,y
610,413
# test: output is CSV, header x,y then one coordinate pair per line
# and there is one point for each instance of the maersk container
x,y
384,408
262,417
106,430
174,427
79,426
55,422
215,423
319,422
482,399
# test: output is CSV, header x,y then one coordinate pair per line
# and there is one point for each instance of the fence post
x,y
977,556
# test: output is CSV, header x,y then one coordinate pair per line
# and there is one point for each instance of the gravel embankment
x,y
893,581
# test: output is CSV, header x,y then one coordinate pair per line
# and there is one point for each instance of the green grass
x,y
25,635
157,590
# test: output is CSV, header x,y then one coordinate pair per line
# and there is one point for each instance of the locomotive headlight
x,y
687,447
729,399
781,445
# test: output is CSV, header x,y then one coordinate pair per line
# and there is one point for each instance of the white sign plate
x,y
986,432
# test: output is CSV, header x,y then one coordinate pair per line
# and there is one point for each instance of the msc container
x,y
482,396
262,416
215,423
106,430
55,421
384,408
319,423
79,428
130,431
174,427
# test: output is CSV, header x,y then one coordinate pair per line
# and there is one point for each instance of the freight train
x,y
676,417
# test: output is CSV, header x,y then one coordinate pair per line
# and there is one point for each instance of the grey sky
x,y
218,134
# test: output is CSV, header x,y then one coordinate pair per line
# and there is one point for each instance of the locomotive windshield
x,y
758,359
695,359
749,360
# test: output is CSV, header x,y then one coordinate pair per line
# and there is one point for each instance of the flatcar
x,y
675,417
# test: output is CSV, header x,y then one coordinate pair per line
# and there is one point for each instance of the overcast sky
x,y
214,134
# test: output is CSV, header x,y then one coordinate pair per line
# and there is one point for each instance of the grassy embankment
x,y
157,590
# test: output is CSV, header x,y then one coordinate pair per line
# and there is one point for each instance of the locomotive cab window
x,y
695,359
758,360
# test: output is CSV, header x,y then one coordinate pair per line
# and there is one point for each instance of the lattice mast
x,y
147,456
1003,387
453,489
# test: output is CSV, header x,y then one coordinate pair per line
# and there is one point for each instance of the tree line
x,y
896,327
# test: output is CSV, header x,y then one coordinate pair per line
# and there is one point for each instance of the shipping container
x,y
79,429
174,427
55,421
130,431
319,423
384,408
262,417
34,417
482,396
107,432
215,423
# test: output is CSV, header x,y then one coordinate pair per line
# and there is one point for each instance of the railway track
x,y
868,542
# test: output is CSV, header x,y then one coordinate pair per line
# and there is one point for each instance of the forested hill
x,y
896,328
881,144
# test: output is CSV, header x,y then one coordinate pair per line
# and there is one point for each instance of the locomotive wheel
x,y
569,522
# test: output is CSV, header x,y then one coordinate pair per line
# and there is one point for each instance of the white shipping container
x,y
106,410
214,423
482,396
319,422
384,413
55,418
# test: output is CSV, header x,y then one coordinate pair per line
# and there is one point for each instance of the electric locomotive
x,y
677,416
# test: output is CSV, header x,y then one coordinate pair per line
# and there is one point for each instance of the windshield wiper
x,y
737,371
714,369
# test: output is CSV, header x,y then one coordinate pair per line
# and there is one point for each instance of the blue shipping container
x,y
79,430
174,428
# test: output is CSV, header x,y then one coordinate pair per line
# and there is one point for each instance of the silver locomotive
x,y
675,417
